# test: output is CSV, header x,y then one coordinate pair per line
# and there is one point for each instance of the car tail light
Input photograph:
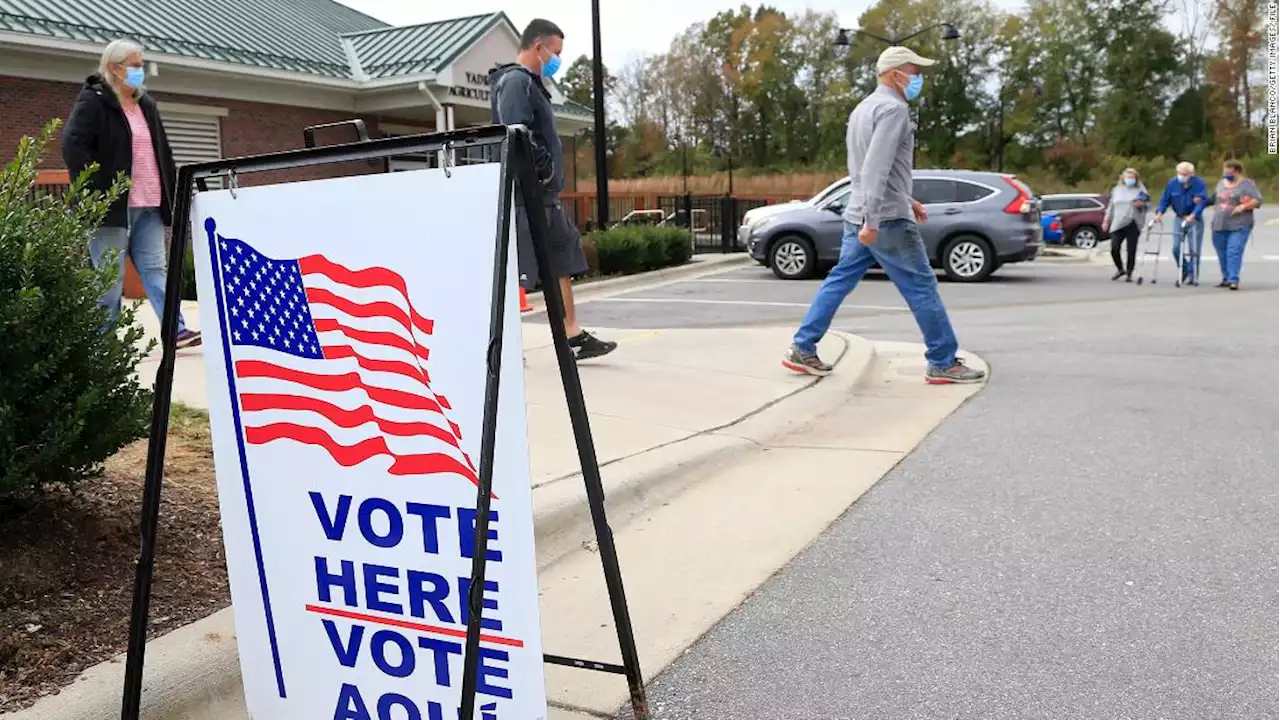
x,y
1055,225
1021,205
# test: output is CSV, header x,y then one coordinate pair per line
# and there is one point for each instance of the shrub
x,y
68,396
637,248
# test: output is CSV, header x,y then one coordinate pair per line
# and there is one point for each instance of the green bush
x,y
68,396
637,248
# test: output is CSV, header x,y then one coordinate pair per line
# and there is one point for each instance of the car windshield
x,y
829,192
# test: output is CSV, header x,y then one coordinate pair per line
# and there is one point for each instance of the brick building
x,y
240,77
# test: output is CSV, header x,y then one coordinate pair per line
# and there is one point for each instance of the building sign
x,y
479,89
346,368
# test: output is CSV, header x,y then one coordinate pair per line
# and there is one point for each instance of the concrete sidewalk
x,y
666,409
659,387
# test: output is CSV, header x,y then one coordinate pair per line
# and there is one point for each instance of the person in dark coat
x,y
518,96
116,124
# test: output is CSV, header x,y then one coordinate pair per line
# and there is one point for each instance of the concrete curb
x,y
648,479
1066,257
193,673
700,265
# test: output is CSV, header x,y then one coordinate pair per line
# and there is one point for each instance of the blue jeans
x,y
1229,244
142,242
900,251
1195,240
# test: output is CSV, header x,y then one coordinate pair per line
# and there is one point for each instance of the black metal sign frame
x,y
517,175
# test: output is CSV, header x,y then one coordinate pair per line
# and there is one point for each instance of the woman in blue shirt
x,y
1187,195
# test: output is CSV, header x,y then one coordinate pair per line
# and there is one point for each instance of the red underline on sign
x,y
420,627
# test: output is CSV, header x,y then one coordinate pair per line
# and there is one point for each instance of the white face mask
x,y
1184,179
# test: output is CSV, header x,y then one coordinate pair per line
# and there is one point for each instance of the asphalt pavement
x,y
1094,535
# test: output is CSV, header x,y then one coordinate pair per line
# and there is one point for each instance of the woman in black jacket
x,y
116,124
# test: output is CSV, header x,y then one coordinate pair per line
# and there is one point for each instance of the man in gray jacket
x,y
519,97
880,226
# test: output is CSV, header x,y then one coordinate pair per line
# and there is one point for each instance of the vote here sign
x,y
346,323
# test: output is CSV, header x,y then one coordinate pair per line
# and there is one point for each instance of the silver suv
x,y
977,222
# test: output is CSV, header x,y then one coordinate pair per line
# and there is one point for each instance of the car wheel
x,y
968,258
1085,237
793,258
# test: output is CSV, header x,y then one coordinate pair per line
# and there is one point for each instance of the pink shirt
x,y
145,191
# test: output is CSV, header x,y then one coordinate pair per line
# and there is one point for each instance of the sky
x,y
627,28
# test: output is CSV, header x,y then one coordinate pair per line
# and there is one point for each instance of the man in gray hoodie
x,y
880,226
519,97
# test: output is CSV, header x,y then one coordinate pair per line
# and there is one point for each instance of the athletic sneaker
x,y
800,362
957,374
586,346
187,338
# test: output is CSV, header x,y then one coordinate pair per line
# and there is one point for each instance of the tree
x,y
579,82
1140,61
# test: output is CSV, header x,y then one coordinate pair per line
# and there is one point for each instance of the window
x,y
1070,203
194,138
968,192
933,191
839,202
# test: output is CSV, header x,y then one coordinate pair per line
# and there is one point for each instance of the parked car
x,y
764,211
1051,225
1081,216
977,222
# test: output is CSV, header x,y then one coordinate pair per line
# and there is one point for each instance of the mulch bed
x,y
67,562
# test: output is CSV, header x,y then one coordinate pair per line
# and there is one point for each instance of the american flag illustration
x,y
335,358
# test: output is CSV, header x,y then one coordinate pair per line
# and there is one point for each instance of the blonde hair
x,y
116,52
1186,167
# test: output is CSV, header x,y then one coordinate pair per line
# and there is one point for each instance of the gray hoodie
x,y
1121,212
518,97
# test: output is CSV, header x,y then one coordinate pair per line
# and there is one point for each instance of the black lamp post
x,y
597,81
719,151
949,32
684,163
1038,89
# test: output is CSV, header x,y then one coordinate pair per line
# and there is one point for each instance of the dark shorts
x,y
564,247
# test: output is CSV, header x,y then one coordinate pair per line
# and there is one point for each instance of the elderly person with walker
x,y
1187,196
1124,220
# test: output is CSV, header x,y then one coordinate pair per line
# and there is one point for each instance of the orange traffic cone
x,y
525,306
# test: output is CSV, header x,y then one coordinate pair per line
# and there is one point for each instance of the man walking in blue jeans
x,y
880,226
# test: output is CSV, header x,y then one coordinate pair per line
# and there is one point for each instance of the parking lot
x,y
1104,508
751,295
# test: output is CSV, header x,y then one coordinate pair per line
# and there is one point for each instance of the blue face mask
x,y
550,67
134,77
913,88
1228,176
1130,182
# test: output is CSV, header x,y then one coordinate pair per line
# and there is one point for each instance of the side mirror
x,y
837,209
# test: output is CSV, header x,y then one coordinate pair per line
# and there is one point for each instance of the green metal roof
x,y
293,35
429,47
314,37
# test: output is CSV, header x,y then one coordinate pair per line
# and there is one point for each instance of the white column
x,y
453,154
441,122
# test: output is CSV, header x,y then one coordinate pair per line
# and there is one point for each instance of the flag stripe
x,y
349,455
336,383
367,278
397,367
375,309
342,417
374,337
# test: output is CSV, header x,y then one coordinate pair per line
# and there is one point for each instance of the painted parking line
x,y
741,280
762,303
